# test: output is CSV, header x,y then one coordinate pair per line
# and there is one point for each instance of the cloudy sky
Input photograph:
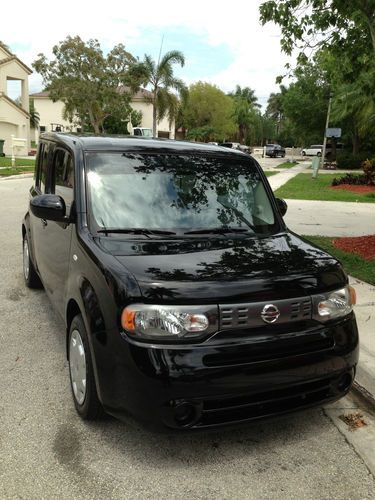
x,y
224,43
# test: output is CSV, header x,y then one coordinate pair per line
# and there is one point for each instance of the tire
x,y
31,277
318,154
82,381
303,153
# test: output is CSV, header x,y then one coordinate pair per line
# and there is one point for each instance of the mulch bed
x,y
355,189
364,246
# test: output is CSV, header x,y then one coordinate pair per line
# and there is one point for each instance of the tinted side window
x,y
41,169
58,168
38,162
63,177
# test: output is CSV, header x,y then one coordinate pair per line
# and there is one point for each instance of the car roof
x,y
90,142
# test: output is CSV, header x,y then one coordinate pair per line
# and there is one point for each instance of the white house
x,y
14,118
51,114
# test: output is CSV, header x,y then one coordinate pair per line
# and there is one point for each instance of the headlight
x,y
169,322
334,304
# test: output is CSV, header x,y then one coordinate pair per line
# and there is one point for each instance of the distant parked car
x,y
232,145
274,150
314,150
142,131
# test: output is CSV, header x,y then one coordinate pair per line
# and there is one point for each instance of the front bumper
x,y
232,380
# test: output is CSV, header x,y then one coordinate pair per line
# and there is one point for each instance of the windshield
x,y
177,193
147,132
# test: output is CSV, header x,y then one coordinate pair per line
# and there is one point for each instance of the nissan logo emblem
x,y
270,313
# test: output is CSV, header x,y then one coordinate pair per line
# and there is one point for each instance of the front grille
x,y
234,316
226,410
274,348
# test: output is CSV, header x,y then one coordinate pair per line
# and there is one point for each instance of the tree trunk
x,y
154,113
355,141
94,122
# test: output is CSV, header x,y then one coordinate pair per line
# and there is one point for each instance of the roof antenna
x,y
161,46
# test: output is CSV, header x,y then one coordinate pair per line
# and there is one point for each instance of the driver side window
x,y
62,178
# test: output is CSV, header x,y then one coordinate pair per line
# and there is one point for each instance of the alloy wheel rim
x,y
26,262
77,366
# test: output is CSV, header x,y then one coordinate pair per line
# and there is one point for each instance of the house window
x,y
42,128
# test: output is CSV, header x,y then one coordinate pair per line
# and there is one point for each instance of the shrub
x,y
368,167
357,180
349,161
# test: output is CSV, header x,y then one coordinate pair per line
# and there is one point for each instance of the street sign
x,y
333,132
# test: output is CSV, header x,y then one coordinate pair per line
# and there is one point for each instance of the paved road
x,y
47,452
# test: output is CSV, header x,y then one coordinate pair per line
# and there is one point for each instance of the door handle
x,y
44,222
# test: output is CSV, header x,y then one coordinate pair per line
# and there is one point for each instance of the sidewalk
x,y
332,218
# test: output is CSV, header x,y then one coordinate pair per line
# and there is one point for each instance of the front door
x,y
52,239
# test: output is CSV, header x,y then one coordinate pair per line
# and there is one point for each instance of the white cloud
x,y
256,54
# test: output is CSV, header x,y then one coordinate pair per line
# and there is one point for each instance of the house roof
x,y
10,101
40,94
140,94
15,58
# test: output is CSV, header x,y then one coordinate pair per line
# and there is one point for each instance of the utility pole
x,y
327,123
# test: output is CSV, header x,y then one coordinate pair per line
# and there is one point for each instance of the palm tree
x,y
34,115
354,105
275,109
245,94
245,110
160,77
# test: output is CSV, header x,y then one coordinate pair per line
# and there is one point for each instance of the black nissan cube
x,y
187,301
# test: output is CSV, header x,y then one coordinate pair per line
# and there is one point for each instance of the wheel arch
x,y
72,310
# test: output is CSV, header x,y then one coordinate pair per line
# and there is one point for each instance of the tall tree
x,y
208,113
245,111
275,109
246,94
303,105
87,81
337,24
159,76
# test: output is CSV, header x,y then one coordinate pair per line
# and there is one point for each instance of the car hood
x,y
223,269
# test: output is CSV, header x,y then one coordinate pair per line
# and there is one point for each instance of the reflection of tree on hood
x,y
250,257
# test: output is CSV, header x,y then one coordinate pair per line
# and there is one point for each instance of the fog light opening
x,y
185,414
345,382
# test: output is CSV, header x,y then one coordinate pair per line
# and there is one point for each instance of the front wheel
x,y
303,153
319,154
81,372
31,277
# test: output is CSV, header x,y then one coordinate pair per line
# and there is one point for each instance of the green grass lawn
x,y
286,164
304,187
269,174
353,264
4,172
6,161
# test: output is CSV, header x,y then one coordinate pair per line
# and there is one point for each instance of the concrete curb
x,y
17,176
363,393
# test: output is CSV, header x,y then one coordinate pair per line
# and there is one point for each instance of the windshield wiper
x,y
135,230
239,214
218,230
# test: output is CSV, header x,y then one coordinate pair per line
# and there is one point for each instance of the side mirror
x,y
49,207
282,206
